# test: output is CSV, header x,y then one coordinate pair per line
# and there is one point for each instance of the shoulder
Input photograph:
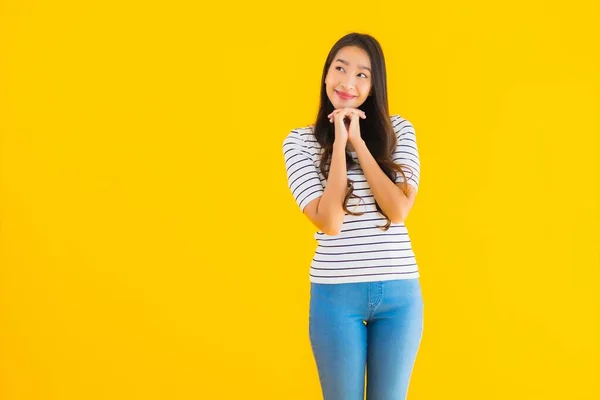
x,y
303,133
301,137
401,125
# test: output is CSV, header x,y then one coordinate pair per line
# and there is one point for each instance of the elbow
x,y
397,218
332,230
332,224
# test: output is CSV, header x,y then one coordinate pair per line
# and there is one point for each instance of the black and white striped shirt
x,y
361,252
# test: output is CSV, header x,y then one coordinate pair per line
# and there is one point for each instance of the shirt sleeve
x,y
407,151
302,174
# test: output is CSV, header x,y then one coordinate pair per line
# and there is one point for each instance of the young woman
x,y
355,173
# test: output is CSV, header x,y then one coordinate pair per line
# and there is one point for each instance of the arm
x,y
323,206
388,194
326,212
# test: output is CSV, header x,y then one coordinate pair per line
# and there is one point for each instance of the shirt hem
x,y
360,279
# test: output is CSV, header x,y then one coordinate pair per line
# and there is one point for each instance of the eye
x,y
339,68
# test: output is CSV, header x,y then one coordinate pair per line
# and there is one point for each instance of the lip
x,y
344,96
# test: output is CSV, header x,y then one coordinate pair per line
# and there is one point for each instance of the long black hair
x,y
376,130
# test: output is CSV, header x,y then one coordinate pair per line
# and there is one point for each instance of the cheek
x,y
365,88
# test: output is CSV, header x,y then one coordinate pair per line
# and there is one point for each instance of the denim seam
x,y
374,306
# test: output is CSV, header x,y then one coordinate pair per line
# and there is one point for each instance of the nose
x,y
349,84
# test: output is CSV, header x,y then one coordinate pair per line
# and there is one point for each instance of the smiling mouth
x,y
344,96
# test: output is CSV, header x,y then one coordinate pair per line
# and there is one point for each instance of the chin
x,y
339,104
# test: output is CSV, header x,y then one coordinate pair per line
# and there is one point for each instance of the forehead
x,y
354,55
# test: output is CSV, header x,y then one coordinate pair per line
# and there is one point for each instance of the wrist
x,y
356,143
339,145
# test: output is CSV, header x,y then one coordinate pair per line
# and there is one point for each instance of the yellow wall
x,y
150,248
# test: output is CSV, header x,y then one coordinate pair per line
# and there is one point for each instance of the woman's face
x,y
348,81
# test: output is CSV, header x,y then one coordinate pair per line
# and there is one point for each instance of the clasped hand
x,y
346,123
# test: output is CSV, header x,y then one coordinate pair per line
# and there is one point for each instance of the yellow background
x,y
150,247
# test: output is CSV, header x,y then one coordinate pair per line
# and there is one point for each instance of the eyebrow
x,y
347,63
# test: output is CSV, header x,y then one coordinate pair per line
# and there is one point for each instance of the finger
x,y
337,113
356,111
361,113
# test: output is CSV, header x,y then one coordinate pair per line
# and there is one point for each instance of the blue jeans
x,y
375,326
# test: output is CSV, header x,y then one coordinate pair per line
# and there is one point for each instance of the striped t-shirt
x,y
361,252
